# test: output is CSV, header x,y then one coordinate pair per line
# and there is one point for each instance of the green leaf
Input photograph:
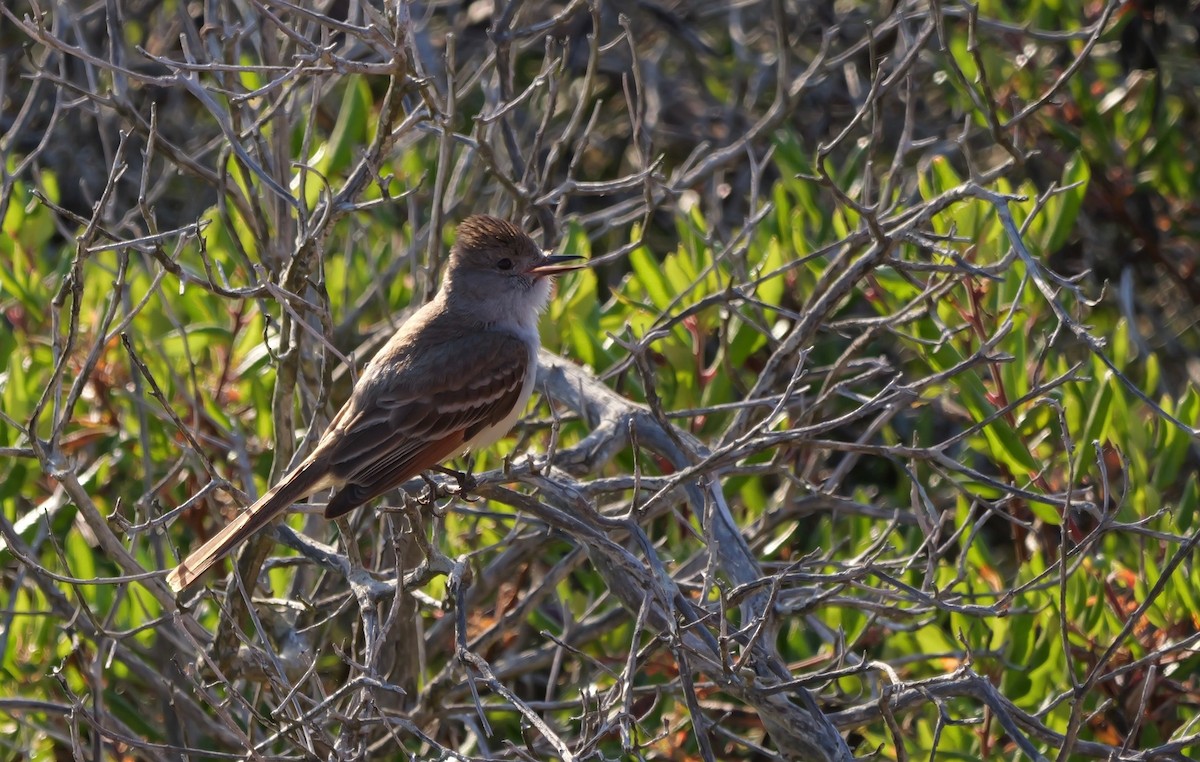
x,y
1189,502
1062,209
194,339
771,290
351,131
1122,349
1172,444
648,273
682,278
1097,399
49,518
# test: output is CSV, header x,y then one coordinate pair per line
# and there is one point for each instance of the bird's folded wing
x,y
425,415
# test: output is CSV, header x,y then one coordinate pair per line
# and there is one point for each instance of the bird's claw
x,y
465,484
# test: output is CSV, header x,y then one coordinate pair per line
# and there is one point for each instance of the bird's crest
x,y
479,231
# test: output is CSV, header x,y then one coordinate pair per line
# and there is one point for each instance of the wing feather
x,y
417,418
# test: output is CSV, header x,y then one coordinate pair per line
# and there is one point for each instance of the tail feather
x,y
297,485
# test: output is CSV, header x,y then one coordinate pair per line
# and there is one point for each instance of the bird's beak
x,y
553,264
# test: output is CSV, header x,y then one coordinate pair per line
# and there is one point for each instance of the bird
x,y
455,377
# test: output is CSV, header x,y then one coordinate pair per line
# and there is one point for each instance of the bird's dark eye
x,y
505,264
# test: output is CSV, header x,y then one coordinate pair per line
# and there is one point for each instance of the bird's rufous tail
x,y
299,484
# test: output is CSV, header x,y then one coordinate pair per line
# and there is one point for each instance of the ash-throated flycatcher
x,y
455,377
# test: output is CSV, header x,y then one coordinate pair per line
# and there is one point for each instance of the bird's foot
x,y
429,496
466,483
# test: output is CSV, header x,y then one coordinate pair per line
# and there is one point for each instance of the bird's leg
x,y
466,481
432,491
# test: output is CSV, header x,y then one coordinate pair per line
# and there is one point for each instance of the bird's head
x,y
495,266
